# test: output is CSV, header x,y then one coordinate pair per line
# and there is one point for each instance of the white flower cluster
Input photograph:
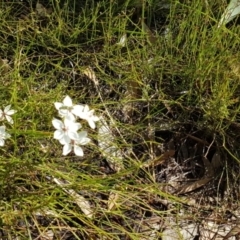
x,y
67,130
5,114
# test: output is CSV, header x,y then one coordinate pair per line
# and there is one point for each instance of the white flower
x,y
87,114
6,113
80,139
3,135
66,130
67,109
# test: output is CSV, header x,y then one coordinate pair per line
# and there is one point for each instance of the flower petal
x,y
82,134
78,151
6,109
65,139
57,124
72,126
1,114
58,134
67,148
82,138
67,101
91,123
86,108
11,112
58,105
2,142
2,129
70,117
95,118
9,119
77,109
85,141
73,135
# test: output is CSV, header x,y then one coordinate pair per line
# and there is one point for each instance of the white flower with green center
x,y
6,114
79,139
3,135
65,130
67,109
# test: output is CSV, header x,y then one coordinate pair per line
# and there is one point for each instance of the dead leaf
x,y
113,197
91,75
212,230
161,159
170,234
42,11
122,41
133,93
198,139
78,199
82,203
233,232
43,147
216,161
46,235
149,228
209,171
108,145
231,12
235,68
46,212
182,230
151,38
193,186
184,151
4,66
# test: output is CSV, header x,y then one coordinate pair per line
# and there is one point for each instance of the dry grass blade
x,y
112,200
91,75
